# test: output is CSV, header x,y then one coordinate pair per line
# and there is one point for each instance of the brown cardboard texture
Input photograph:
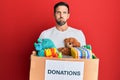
x,y
37,68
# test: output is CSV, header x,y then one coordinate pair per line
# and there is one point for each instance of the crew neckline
x,y
61,31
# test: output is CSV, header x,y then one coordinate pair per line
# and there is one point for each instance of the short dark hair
x,y
61,4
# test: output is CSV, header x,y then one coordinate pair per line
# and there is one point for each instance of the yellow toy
x,y
82,52
52,52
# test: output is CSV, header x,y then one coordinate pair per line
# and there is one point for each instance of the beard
x,y
60,22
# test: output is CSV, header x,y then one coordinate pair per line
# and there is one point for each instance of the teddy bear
x,y
73,48
43,44
69,42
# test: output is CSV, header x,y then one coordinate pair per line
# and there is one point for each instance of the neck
x,y
62,28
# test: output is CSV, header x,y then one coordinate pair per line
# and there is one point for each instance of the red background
x,y
21,22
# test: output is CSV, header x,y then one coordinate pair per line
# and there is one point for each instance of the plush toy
x,y
45,47
43,44
69,42
74,49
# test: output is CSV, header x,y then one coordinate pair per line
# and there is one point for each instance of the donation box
x,y
46,68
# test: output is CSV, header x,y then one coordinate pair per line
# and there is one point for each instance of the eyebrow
x,y
63,11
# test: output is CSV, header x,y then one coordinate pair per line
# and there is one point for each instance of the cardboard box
x,y
37,69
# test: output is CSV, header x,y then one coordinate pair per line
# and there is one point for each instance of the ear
x,y
68,16
65,40
78,44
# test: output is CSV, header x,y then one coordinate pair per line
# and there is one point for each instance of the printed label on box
x,y
63,70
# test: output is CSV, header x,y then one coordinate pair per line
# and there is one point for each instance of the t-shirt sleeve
x,y
42,35
83,39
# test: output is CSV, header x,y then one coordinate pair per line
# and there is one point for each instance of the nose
x,y
61,15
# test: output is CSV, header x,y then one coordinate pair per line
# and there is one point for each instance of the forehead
x,y
61,8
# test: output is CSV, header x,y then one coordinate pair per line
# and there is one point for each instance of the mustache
x,y
61,18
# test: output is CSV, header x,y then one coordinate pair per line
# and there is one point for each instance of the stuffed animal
x,y
45,47
43,44
73,48
69,42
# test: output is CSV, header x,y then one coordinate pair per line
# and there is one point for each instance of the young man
x,y
61,30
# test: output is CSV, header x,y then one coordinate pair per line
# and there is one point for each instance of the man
x,y
61,30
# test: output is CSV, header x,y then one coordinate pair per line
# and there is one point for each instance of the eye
x,y
58,12
70,43
64,12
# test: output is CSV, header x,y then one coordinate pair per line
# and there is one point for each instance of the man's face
x,y
61,15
